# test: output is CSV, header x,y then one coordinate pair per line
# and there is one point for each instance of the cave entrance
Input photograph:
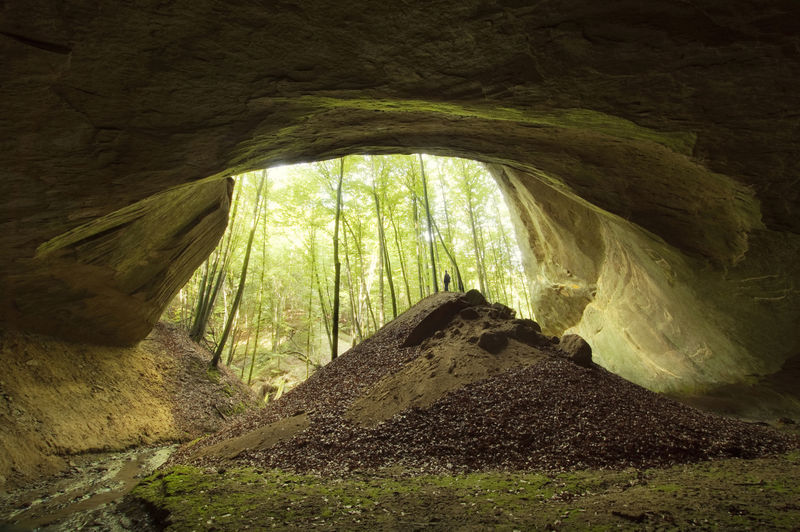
x,y
264,299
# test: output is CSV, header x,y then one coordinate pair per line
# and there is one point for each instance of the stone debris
x,y
576,349
552,409
492,341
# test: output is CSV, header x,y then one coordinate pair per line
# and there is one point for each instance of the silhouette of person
x,y
446,280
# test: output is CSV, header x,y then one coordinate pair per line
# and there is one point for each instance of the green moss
x,y
713,495
213,375
582,119
195,441
667,488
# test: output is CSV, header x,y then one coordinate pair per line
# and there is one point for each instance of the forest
x,y
319,256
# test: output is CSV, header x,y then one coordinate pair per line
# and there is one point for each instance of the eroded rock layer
x,y
651,147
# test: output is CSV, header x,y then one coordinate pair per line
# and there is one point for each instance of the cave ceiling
x,y
676,122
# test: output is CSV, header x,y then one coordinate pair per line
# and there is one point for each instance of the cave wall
x,y
653,314
670,127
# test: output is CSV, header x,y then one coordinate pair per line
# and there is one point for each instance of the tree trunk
x,y
430,225
324,310
478,261
207,295
402,262
337,266
420,253
452,259
260,295
234,340
242,278
354,311
383,249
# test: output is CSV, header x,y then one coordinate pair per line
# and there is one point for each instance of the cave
x,y
648,152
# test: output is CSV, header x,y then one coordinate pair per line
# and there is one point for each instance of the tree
x,y
467,183
458,219
210,284
337,266
383,250
430,224
260,297
242,277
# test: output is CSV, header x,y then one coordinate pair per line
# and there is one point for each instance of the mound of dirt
x,y
458,384
59,399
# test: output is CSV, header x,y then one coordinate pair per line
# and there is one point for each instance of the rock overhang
x,y
665,130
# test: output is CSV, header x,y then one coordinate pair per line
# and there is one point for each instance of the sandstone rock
x,y
530,324
474,298
503,312
576,349
639,177
469,313
493,341
528,332
436,320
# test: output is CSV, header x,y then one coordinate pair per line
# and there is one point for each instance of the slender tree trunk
x,y
200,300
242,278
364,285
337,266
246,350
207,295
430,225
482,252
447,229
324,311
383,250
420,252
498,274
381,295
277,316
478,261
402,262
456,269
353,310
309,326
234,341
260,295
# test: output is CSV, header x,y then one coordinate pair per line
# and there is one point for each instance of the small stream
x,y
86,496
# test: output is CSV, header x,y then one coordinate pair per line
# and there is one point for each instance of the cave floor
x,y
729,494
86,496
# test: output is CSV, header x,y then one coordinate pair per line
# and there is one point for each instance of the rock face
x,y
650,151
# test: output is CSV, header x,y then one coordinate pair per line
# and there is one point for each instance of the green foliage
x,y
293,249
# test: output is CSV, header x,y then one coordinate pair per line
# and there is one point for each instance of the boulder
x,y
528,332
503,312
576,349
435,321
493,341
530,324
474,298
469,313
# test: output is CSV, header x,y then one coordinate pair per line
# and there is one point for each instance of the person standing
x,y
446,280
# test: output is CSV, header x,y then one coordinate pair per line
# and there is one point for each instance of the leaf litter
x,y
472,389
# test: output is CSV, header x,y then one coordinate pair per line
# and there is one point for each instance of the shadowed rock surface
x,y
649,151
60,399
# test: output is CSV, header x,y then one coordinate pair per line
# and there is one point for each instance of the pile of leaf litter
x,y
456,384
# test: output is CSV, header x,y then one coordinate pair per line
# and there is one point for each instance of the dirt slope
x,y
460,385
59,398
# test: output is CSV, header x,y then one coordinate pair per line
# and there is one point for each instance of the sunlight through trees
x,y
319,256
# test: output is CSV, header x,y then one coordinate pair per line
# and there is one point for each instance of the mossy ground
x,y
727,494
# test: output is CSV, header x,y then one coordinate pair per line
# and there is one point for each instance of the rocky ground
x,y
456,385
454,415
159,392
458,416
